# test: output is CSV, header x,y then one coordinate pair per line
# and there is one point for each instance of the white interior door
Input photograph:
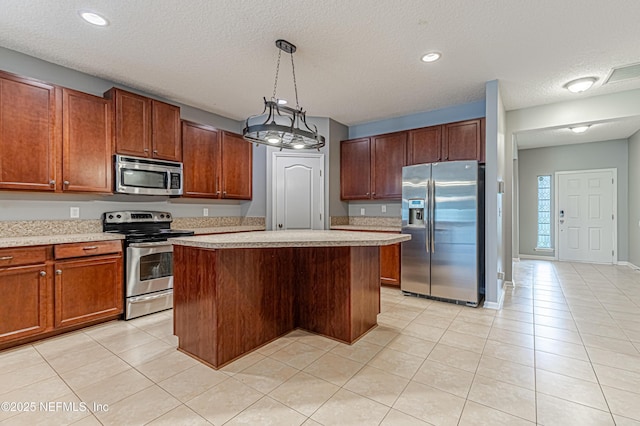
x,y
298,198
586,216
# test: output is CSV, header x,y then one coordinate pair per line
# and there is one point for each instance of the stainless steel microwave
x,y
135,175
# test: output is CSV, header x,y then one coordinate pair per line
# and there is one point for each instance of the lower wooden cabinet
x,y
45,290
390,265
24,301
87,289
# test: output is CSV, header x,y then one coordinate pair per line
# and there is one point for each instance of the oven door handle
x,y
151,244
148,298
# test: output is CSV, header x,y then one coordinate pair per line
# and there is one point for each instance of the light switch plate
x,y
205,212
74,212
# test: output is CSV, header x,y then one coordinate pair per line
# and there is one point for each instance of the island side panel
x,y
322,291
365,289
255,299
194,302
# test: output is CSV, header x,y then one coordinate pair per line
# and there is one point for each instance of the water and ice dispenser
x,y
416,212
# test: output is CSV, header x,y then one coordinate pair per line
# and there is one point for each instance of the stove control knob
x,y
168,216
161,216
119,216
110,216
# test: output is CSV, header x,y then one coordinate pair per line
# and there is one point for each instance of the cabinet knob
x,y
155,151
58,272
52,182
224,193
373,193
43,274
367,194
66,183
146,150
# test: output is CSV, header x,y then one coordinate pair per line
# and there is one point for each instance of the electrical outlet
x,y
384,208
74,212
362,211
205,212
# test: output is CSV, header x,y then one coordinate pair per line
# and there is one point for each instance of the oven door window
x,y
143,178
157,265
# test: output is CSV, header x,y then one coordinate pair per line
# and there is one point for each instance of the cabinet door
x,y
201,160
87,289
132,123
388,157
355,170
462,141
87,143
24,301
166,131
424,145
237,167
29,133
390,265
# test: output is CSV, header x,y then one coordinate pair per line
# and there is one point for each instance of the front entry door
x,y
586,220
298,199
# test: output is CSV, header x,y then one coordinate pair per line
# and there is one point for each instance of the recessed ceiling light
x,y
580,129
580,85
431,57
93,18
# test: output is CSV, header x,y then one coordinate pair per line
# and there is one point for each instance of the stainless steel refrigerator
x,y
443,211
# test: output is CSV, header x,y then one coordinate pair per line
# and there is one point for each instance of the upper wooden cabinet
x,y
463,141
217,164
30,124
424,145
87,143
371,168
355,169
145,127
237,167
388,157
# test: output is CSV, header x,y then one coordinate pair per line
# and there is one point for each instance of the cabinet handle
x,y
155,151
58,271
52,182
90,248
43,274
6,257
66,183
146,150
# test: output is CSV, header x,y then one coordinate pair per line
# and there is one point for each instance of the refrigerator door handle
x,y
432,213
427,221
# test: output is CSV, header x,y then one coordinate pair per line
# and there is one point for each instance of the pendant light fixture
x,y
279,125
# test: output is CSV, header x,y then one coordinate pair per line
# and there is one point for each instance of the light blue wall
x,y
420,119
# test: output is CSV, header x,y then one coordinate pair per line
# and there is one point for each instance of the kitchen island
x,y
236,292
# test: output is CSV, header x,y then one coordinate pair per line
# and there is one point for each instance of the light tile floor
x,y
565,350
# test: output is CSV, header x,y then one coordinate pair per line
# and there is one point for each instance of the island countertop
x,y
270,239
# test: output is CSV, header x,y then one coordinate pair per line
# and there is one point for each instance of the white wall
x,y
634,200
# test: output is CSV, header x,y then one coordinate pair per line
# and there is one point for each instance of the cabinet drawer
x,y
23,256
64,251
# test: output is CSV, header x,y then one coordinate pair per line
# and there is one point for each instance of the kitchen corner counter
x,y
273,239
58,239
226,229
367,228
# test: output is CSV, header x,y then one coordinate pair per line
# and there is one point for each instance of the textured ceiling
x,y
357,60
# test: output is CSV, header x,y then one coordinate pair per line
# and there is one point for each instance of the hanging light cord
x,y
293,71
295,85
275,84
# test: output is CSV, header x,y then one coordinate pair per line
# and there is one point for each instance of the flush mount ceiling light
x,y
93,18
282,126
580,85
580,129
431,57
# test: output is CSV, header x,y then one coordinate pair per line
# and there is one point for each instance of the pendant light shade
x,y
282,126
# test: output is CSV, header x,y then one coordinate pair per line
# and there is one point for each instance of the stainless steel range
x,y
148,258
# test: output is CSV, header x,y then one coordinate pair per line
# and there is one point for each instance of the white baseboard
x,y
629,265
536,257
495,305
516,259
508,284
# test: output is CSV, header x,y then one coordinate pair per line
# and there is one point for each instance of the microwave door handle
x,y
168,186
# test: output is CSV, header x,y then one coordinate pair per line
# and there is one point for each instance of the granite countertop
x,y
58,239
269,239
226,229
370,228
